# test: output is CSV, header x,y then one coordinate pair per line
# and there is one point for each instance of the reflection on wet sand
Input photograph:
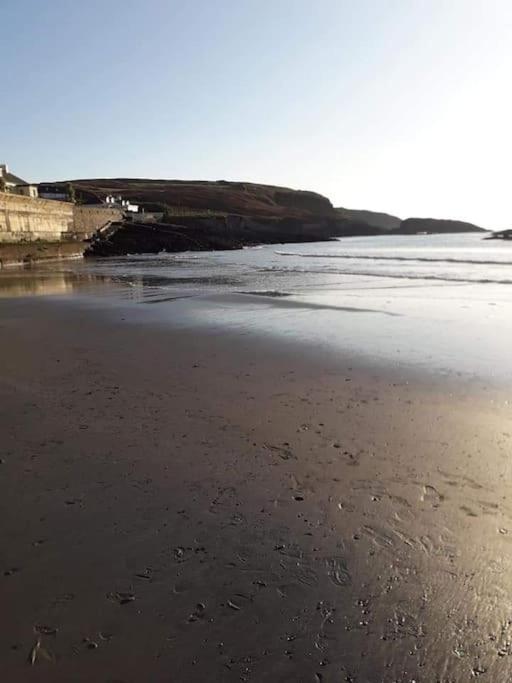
x,y
46,280
39,282
35,283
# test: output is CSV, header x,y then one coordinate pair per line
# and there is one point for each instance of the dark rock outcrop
x,y
228,232
500,235
413,226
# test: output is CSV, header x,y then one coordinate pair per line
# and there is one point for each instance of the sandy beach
x,y
255,342
223,506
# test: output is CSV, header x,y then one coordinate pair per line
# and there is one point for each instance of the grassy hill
x,y
246,199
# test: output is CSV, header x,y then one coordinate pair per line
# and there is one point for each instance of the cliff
x,y
202,215
217,232
412,226
213,215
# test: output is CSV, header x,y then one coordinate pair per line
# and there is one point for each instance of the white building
x,y
12,183
120,203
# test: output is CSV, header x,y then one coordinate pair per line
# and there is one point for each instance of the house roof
x,y
14,179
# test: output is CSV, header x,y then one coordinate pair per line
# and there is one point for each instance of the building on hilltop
x,y
119,202
12,183
66,193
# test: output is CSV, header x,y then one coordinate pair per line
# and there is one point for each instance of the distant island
x,y
413,226
500,235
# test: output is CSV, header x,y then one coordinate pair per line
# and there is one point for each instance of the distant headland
x,y
113,216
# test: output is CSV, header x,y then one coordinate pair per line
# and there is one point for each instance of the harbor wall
x,y
23,219
44,229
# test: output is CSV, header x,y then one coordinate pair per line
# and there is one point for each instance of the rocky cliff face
x,y
227,232
202,215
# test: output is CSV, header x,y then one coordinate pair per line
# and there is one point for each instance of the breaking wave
x,y
401,276
422,259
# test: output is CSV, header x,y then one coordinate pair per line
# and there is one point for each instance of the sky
x,y
403,106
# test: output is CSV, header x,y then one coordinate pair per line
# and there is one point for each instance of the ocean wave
x,y
422,259
382,274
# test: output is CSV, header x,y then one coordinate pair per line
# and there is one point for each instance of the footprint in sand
x,y
431,496
468,511
337,571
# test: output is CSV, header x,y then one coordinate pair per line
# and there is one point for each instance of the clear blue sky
x,y
396,105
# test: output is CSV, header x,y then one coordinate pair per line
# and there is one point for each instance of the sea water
x,y
432,301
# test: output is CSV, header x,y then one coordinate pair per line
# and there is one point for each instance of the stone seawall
x,y
43,229
25,253
88,219
23,219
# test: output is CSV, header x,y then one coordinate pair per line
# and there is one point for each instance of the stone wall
x,y
88,219
23,219
26,253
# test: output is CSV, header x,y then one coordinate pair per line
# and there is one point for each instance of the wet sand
x,y
178,506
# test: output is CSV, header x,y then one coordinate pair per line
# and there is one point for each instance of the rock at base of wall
x,y
25,253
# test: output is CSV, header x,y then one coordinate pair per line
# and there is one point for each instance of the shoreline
x,y
432,332
261,512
